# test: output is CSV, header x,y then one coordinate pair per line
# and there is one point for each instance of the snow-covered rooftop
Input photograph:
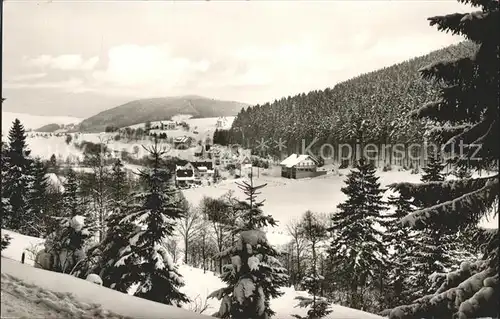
x,y
293,160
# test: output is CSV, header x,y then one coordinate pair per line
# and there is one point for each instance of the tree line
x,y
370,108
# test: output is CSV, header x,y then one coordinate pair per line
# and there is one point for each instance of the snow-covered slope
x,y
21,299
287,199
19,244
73,296
35,121
198,287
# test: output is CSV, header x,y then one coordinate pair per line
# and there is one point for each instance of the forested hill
x,y
159,109
372,107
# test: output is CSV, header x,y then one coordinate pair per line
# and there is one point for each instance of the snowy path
x,y
22,300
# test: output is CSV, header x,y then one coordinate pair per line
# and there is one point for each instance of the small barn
x,y
299,166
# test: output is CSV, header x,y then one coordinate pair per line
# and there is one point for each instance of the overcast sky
x,y
79,58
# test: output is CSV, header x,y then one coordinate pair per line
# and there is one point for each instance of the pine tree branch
x,y
485,4
470,136
451,72
471,25
466,209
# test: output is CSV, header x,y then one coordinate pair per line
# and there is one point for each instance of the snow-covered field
x,y
287,199
35,121
45,146
199,129
33,292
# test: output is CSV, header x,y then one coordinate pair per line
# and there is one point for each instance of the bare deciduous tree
x,y
218,213
298,245
189,227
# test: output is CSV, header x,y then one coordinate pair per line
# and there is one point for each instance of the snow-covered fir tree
x,y
468,117
254,275
319,307
67,244
37,200
112,274
119,186
433,246
403,243
16,178
148,261
101,258
5,208
433,171
358,252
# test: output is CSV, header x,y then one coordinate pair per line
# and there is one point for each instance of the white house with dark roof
x,y
299,166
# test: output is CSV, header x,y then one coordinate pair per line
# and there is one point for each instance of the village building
x,y
194,173
168,125
246,166
182,142
221,122
184,176
203,169
299,166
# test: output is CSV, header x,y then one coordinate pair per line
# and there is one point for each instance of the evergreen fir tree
x,y
149,263
468,115
255,274
18,151
116,276
403,243
37,200
101,258
319,307
72,204
433,246
15,182
358,250
5,207
67,244
434,168
430,259
119,187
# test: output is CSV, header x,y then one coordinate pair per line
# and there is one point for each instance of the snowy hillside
x,y
52,292
44,145
35,121
199,128
37,292
156,109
